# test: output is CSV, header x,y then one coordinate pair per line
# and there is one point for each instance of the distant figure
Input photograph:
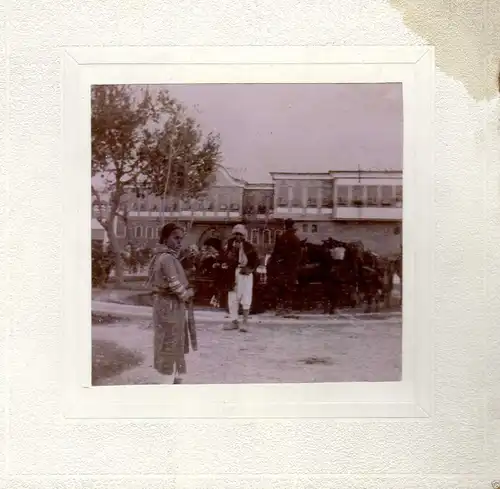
x,y
239,262
208,257
172,296
283,267
188,257
213,243
208,268
262,270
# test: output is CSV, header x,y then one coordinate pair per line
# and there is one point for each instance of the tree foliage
x,y
144,141
119,129
181,161
149,143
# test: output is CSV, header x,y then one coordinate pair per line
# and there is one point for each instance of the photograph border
x,y
414,68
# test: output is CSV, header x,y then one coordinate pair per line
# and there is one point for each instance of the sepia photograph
x,y
246,233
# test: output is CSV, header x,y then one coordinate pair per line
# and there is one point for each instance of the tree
x,y
144,143
181,161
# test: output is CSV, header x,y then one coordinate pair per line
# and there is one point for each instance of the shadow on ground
x,y
108,358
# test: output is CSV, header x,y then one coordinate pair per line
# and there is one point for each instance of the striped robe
x,y
169,285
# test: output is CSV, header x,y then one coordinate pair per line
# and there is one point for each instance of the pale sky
x,y
300,127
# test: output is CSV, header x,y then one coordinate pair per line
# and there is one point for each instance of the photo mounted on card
x,y
239,232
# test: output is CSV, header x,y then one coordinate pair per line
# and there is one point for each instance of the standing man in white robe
x,y
240,260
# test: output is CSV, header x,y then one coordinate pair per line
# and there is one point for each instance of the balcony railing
x,y
257,211
369,213
343,209
190,214
368,209
369,202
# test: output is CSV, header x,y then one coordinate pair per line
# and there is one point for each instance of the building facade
x,y
365,205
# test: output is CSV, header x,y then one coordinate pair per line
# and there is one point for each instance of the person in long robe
x,y
172,293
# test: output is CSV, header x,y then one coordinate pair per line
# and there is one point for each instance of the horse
x,y
343,278
332,264
377,280
348,274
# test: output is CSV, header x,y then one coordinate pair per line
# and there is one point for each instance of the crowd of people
x,y
170,281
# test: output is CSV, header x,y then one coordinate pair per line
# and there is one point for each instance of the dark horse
x,y
348,274
371,280
343,284
313,269
376,279
333,265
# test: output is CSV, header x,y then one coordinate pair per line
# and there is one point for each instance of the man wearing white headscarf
x,y
240,260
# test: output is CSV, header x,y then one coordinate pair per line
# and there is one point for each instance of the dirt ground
x,y
342,349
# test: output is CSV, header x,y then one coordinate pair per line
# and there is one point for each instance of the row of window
x,y
343,200
370,195
149,232
296,193
268,236
184,206
307,229
264,237
139,232
258,209
225,199
345,195
257,236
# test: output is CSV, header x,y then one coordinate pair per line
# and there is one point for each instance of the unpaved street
x,y
348,348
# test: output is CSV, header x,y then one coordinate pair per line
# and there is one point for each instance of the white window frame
x,y
341,200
